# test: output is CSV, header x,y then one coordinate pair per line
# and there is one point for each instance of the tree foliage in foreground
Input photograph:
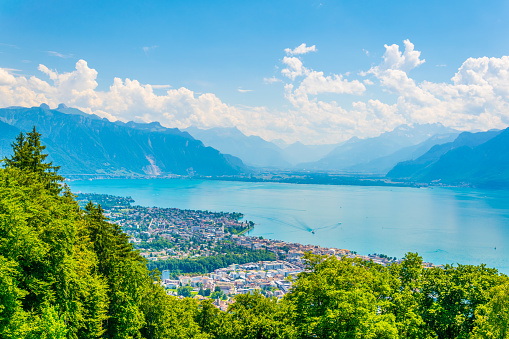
x,y
66,272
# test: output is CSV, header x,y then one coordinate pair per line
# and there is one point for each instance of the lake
x,y
444,225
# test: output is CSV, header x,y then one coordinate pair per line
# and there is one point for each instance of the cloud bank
x,y
476,97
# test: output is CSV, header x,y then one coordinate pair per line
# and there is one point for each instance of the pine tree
x,y
29,156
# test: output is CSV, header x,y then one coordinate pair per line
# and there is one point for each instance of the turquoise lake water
x,y
444,225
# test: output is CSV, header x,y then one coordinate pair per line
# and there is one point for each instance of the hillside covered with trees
x,y
65,272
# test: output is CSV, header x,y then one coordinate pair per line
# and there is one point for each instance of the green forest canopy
x,y
65,272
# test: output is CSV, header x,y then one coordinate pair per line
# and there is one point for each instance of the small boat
x,y
313,231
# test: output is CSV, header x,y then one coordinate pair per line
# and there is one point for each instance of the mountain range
x,y
7,135
381,153
86,144
257,152
372,155
253,150
298,152
479,159
384,164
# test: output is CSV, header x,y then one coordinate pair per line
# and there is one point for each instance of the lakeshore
x,y
444,225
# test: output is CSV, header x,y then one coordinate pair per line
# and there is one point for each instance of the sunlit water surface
x,y
444,225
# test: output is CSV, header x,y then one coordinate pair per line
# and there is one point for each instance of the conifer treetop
x,y
28,155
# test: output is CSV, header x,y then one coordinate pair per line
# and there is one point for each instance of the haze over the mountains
x,y
371,155
253,150
480,159
256,151
354,154
90,145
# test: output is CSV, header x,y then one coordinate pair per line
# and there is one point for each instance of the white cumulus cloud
x,y
294,68
394,59
315,83
6,79
161,86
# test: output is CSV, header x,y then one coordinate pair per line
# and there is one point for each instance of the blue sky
x,y
219,56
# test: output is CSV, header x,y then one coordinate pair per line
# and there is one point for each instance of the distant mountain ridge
x,y
85,144
253,150
384,164
90,145
298,153
357,154
375,155
479,159
407,169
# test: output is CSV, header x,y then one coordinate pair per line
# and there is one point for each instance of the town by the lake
x,y
173,235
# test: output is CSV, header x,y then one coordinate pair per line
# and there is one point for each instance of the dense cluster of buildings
x,y
268,277
173,221
190,232
292,252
